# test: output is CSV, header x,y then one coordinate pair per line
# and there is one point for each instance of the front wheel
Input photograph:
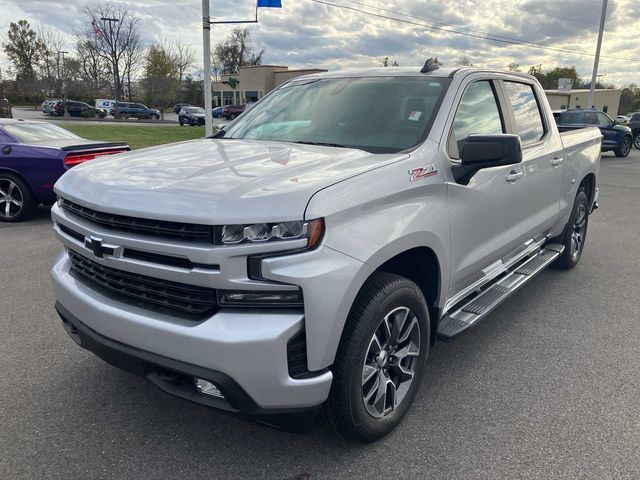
x,y
154,117
380,360
575,233
624,148
636,141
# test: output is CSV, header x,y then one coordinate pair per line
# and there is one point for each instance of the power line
x,y
482,36
476,1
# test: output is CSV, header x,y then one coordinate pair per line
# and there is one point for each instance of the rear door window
x,y
590,118
528,119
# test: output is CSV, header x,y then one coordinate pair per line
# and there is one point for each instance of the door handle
x,y
557,161
514,175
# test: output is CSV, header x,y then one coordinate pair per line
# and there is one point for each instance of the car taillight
x,y
73,159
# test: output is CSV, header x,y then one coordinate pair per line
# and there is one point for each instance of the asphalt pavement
x,y
546,387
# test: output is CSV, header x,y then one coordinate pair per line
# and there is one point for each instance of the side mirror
x,y
615,122
485,151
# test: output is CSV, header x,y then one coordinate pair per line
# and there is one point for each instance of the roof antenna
x,y
430,65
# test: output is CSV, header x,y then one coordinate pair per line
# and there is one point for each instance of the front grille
x,y
151,257
193,232
147,291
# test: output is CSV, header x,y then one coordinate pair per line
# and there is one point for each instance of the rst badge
x,y
422,172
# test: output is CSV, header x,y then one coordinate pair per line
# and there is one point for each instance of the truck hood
x,y
215,181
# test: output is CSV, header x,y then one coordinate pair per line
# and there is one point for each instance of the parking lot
x,y
548,386
33,114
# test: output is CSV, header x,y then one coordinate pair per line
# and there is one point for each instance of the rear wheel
x,y
624,148
575,233
380,360
16,201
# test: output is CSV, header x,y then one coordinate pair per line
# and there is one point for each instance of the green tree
x,y
24,48
236,51
161,72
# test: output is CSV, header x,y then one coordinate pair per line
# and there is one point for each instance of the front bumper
x,y
247,346
177,378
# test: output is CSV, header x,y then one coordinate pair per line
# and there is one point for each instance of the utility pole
x,y
115,70
594,76
206,80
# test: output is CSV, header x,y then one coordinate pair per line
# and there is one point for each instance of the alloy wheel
x,y
636,141
11,198
390,362
578,231
626,146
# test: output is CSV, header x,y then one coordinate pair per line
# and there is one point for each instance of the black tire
x,y
347,409
575,234
624,147
154,117
636,140
124,116
13,190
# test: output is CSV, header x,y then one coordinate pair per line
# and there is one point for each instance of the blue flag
x,y
270,3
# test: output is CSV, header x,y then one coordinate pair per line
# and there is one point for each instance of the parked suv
x,y
230,112
81,109
126,110
191,116
615,137
298,260
634,125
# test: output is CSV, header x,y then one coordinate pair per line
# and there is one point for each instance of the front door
x,y
500,208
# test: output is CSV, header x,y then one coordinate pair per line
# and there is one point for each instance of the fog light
x,y
208,388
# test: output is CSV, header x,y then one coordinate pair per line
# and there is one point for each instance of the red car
x,y
230,112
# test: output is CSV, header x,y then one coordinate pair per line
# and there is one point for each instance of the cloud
x,y
308,34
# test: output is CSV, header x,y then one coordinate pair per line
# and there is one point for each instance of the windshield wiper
x,y
322,144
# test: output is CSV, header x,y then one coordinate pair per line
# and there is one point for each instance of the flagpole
x,y
206,47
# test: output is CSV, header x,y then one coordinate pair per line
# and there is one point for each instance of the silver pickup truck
x,y
310,254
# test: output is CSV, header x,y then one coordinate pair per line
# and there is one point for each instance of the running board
x,y
480,305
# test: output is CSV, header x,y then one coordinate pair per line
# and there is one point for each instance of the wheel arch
x,y
422,266
589,185
24,180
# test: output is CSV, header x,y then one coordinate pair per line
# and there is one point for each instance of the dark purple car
x,y
33,155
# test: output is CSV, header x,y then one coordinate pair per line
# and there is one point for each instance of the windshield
x,y
376,114
38,132
196,110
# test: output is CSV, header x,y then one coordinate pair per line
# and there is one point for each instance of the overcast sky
x,y
308,34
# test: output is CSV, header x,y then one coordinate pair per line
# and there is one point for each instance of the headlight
x,y
266,232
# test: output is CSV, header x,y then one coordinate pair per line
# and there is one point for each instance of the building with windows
x,y
251,83
605,99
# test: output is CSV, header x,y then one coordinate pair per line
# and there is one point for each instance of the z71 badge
x,y
422,172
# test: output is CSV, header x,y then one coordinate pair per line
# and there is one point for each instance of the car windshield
x,y
375,114
38,132
196,110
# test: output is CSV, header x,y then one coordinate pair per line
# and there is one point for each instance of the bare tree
x,y
514,67
464,62
50,66
117,40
